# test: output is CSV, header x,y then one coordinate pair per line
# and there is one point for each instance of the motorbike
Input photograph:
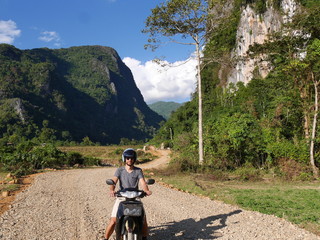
x,y
131,214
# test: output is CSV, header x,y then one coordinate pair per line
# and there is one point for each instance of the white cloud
x,y
8,31
48,36
156,83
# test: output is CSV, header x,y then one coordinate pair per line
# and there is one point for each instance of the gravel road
x,y
74,204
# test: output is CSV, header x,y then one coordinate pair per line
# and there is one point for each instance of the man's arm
x,y
112,187
144,186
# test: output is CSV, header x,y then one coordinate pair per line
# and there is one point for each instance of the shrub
x,y
91,161
292,170
286,149
74,158
27,157
118,151
248,173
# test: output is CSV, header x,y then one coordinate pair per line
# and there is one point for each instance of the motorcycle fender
x,y
137,221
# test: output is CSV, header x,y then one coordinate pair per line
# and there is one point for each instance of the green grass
x,y
297,202
295,205
3,175
7,186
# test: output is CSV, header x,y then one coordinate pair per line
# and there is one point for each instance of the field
x,y
297,202
108,154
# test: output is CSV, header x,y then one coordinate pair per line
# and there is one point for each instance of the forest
x,y
268,124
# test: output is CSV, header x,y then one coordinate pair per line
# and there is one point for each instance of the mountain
x,y
75,92
165,108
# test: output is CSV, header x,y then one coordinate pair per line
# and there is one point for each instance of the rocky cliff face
x,y
255,28
80,91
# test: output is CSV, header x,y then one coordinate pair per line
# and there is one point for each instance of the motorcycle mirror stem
x,y
110,182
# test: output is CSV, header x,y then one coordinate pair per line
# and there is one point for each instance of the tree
x,y
186,19
313,62
295,51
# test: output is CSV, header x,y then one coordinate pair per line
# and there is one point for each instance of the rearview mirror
x,y
110,182
150,181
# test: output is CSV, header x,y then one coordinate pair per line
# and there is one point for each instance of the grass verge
x,y
297,202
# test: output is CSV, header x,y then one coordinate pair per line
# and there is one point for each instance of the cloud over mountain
x,y
174,82
8,31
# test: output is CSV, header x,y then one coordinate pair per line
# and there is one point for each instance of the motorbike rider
x,y
129,176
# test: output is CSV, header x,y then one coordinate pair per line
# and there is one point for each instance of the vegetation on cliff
x,y
261,124
70,94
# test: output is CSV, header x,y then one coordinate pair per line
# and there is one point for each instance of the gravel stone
x,y
74,204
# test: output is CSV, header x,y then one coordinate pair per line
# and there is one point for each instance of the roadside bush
x,y
286,149
91,161
27,157
46,156
248,173
304,176
73,158
118,151
293,170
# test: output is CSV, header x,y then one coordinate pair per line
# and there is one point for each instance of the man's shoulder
x,y
120,169
137,168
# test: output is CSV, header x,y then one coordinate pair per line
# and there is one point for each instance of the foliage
x,y
165,109
260,123
184,18
68,94
27,157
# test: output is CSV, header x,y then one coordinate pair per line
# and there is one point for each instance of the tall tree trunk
x,y
306,125
306,114
315,169
200,105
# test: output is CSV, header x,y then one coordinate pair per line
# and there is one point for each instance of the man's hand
x,y
112,193
148,192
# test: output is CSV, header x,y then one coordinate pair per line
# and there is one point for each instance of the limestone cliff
x,y
255,28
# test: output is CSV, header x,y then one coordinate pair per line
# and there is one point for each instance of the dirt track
x,y
74,204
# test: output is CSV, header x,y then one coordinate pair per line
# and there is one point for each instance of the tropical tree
x,y
313,65
186,19
295,51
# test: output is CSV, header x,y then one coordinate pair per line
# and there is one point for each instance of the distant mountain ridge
x,y
165,108
78,92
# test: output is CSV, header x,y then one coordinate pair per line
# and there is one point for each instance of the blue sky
x,y
28,24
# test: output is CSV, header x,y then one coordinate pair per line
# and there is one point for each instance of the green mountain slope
x,y
75,92
165,108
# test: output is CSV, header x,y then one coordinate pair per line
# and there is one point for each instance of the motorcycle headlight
x,y
130,194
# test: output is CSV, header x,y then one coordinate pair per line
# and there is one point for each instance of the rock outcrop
x,y
256,28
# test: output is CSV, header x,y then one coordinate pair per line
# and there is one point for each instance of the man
x,y
129,176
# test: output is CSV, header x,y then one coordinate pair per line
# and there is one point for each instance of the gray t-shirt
x,y
129,180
